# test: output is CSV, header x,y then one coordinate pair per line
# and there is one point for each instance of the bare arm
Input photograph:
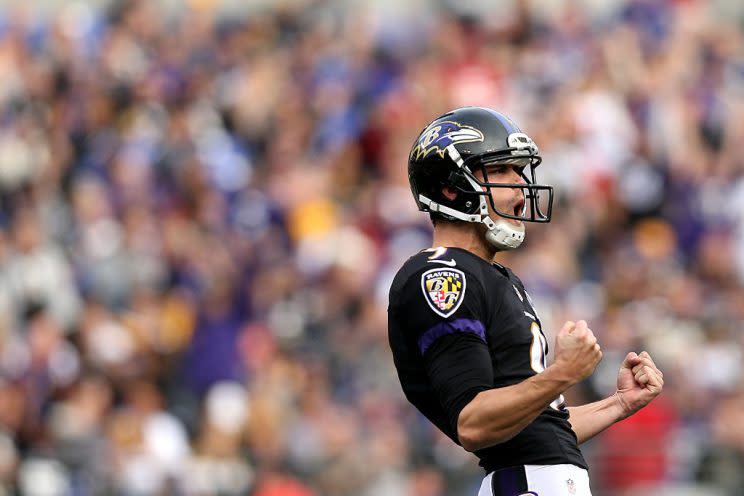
x,y
496,415
589,420
639,381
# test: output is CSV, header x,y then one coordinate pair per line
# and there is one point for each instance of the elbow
x,y
474,432
472,440
473,437
468,433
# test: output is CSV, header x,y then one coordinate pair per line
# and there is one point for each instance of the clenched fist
x,y
639,381
577,352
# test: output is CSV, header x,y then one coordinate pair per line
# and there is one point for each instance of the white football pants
x,y
537,480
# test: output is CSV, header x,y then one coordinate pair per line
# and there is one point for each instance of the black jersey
x,y
459,325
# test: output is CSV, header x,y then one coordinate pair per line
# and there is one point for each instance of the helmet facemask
x,y
537,198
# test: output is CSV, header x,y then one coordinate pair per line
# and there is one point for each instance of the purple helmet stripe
x,y
505,121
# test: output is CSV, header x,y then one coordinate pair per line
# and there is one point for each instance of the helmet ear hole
x,y
464,198
457,179
449,192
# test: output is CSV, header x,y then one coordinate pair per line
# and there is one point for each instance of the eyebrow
x,y
503,166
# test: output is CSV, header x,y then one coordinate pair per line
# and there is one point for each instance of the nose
x,y
518,178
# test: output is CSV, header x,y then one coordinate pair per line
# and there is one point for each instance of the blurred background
x,y
203,203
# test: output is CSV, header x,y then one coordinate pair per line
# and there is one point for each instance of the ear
x,y
449,192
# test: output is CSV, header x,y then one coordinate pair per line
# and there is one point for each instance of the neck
x,y
467,236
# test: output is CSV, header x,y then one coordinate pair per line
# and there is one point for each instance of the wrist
x,y
560,373
620,406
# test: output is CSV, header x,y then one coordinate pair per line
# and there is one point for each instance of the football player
x,y
467,343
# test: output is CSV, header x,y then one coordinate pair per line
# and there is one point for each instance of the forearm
x,y
589,420
496,415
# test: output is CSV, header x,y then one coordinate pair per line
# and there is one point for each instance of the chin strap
x,y
501,234
444,209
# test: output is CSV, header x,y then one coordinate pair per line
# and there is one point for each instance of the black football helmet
x,y
459,142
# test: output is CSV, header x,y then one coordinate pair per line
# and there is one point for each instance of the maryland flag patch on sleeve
x,y
444,290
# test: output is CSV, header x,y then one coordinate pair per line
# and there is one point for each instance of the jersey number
x,y
538,350
436,252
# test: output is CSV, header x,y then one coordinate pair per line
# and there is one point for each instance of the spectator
x,y
201,210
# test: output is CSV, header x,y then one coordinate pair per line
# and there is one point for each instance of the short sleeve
x,y
441,301
446,314
459,367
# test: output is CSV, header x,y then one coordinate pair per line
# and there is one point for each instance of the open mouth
x,y
519,208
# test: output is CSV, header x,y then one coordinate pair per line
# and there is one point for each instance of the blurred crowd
x,y
201,214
